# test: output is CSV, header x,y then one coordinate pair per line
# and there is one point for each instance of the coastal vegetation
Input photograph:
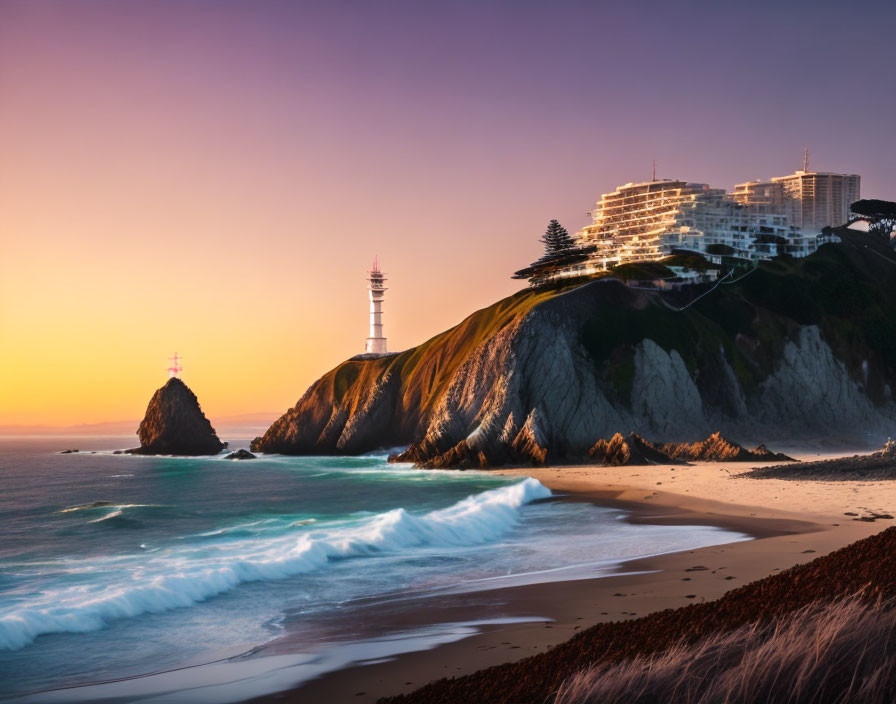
x,y
826,652
560,252
819,632
638,271
880,215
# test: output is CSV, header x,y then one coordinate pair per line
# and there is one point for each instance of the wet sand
x,y
792,522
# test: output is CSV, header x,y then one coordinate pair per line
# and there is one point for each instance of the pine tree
x,y
560,251
556,239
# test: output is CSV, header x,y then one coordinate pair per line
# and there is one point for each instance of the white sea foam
x,y
99,505
126,586
114,514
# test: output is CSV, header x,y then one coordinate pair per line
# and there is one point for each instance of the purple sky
x,y
245,160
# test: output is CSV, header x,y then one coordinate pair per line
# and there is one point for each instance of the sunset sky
x,y
215,177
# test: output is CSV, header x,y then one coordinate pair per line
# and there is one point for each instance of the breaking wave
x,y
105,505
114,514
78,598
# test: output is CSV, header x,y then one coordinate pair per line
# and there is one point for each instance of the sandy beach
x,y
790,522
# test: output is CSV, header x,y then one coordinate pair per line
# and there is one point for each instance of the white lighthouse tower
x,y
376,343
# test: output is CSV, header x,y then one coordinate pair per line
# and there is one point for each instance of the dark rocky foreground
x,y
635,450
796,350
875,466
866,568
174,424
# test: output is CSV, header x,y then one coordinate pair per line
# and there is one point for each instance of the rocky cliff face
x,y
796,350
175,425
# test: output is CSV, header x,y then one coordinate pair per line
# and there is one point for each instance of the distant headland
x,y
682,310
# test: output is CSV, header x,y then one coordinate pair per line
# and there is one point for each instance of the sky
x,y
214,177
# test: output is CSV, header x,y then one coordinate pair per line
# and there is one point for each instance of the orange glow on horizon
x,y
215,178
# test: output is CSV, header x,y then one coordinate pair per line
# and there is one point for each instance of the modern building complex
x,y
376,343
759,220
810,199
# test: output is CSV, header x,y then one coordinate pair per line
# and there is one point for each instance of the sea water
x,y
117,566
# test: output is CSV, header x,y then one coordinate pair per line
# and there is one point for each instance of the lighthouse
x,y
376,343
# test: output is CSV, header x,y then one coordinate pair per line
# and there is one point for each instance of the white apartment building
x,y
646,221
631,224
811,200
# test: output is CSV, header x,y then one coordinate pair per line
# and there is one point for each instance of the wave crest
x,y
128,586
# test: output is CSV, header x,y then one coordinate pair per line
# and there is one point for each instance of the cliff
x,y
174,424
795,350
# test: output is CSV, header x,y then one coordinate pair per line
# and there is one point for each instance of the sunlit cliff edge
x,y
795,350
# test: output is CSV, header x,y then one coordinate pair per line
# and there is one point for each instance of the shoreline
x,y
411,640
789,523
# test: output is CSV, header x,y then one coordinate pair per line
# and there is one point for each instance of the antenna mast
x,y
654,169
806,159
175,369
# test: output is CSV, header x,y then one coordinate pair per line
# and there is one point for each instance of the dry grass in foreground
x,y
840,652
864,571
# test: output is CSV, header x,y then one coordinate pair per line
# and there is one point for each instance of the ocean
x,y
130,571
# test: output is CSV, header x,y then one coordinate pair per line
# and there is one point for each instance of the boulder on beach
x,y
634,449
873,466
717,448
174,424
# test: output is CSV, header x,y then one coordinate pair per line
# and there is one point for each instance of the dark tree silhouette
x,y
556,239
560,252
880,214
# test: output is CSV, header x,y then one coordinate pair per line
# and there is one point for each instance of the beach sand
x,y
792,522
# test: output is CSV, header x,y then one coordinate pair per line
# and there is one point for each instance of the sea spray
x,y
130,585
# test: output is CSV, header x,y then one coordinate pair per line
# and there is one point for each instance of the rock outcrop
x,y
875,466
795,350
717,448
634,449
174,424
240,455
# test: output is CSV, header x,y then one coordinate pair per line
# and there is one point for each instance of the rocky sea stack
x,y
174,424
794,350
